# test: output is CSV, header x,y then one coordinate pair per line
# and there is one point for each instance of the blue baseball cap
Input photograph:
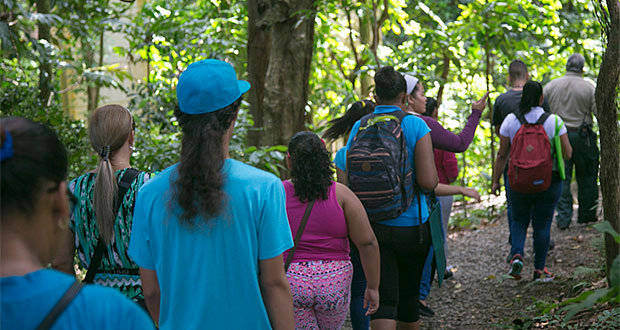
x,y
207,86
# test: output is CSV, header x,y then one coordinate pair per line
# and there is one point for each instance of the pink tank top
x,y
326,234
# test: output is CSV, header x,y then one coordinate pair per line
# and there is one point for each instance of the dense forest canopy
x,y
459,49
307,60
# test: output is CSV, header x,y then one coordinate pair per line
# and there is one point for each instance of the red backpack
x,y
530,164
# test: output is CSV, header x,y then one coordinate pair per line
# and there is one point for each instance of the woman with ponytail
x,y
338,128
534,207
320,271
100,226
35,211
403,241
209,232
341,127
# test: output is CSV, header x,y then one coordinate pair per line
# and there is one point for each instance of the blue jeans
x,y
425,283
359,319
508,207
427,273
537,208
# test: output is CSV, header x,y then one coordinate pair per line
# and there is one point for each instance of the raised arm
x,y
276,293
363,237
446,140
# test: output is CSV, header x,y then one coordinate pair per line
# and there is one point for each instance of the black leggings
x,y
403,253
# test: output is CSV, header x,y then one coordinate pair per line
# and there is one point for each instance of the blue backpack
x,y
377,170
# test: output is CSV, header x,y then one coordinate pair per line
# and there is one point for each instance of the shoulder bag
x,y
300,232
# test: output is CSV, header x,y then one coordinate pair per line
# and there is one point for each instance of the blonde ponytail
x,y
109,128
104,196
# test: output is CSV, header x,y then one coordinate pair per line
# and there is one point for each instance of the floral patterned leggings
x,y
321,293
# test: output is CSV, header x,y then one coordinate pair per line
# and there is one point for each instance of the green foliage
x,y
18,97
446,43
268,158
587,298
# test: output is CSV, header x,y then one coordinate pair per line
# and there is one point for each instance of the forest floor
x,y
481,296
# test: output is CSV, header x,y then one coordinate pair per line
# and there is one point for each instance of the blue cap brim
x,y
244,86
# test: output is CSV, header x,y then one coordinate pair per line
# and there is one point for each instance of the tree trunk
x,y
91,89
366,37
607,116
45,66
285,68
101,56
259,49
444,77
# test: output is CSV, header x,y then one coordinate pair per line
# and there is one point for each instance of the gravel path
x,y
480,296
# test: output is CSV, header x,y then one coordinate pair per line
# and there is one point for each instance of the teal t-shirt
x,y
414,129
26,300
341,159
209,274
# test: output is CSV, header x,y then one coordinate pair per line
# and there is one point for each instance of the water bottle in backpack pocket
x,y
531,163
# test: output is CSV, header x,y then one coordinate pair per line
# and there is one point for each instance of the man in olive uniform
x,y
572,98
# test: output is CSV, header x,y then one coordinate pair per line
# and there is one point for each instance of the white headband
x,y
411,82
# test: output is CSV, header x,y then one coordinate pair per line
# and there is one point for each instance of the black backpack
x,y
377,170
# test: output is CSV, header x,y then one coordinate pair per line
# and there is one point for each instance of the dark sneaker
x,y
447,274
515,267
426,311
543,275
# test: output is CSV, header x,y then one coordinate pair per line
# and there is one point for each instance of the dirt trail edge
x,y
479,296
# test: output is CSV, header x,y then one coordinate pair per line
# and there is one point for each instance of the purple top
x,y
326,236
448,141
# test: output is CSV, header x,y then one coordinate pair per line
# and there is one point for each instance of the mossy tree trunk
x,y
45,66
280,49
607,106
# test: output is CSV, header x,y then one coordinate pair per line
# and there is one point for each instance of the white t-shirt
x,y
511,124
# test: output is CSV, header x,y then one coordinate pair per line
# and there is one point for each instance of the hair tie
x,y
105,153
6,152
363,104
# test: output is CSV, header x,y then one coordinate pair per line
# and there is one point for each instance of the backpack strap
x,y
123,186
542,118
398,114
60,306
300,231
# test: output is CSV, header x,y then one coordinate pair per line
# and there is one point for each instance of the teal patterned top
x,y
116,270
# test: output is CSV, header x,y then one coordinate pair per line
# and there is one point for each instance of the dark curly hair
x,y
389,84
342,125
532,90
311,166
431,105
198,187
37,157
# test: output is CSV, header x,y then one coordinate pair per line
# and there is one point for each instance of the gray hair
x,y
575,63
